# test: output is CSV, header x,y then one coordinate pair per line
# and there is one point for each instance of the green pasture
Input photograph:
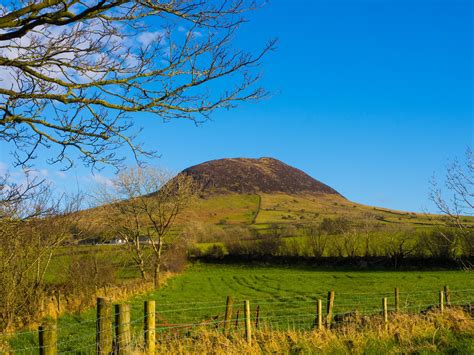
x,y
286,297
57,271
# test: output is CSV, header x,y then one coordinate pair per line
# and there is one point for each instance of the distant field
x,y
286,297
281,208
261,211
264,210
222,209
64,256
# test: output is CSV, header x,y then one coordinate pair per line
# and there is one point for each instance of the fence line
x,y
310,304
299,313
197,325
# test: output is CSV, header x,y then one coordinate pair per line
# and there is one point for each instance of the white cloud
x,y
194,34
3,168
147,38
41,173
102,180
61,174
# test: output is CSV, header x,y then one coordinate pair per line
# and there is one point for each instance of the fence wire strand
x,y
291,313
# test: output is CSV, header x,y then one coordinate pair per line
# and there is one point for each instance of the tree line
x,y
338,239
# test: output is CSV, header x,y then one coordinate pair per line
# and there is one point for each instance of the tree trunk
x,y
156,279
143,273
141,266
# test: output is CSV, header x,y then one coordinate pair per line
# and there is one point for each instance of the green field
x,y
261,211
116,255
286,297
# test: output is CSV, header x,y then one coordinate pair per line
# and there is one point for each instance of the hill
x,y
249,176
265,191
261,193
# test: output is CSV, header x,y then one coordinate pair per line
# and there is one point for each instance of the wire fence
x,y
182,320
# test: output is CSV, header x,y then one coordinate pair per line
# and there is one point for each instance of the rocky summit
x,y
248,176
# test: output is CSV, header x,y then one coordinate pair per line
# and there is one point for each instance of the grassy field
x,y
57,271
263,210
286,297
281,208
222,209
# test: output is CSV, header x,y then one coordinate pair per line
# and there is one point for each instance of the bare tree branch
x,y
142,207
33,224
73,73
456,201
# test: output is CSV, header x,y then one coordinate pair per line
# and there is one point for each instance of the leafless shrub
x,y
317,240
268,246
85,275
400,246
216,251
33,224
176,253
204,233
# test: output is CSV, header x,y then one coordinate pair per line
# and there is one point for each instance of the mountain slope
x,y
263,192
249,176
267,191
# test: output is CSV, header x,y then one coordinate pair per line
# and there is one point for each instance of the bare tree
x,y
368,226
72,72
346,240
123,215
456,201
33,224
145,203
349,243
13,196
318,240
400,246
335,226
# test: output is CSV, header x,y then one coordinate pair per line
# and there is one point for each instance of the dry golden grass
x,y
215,209
278,208
282,208
451,332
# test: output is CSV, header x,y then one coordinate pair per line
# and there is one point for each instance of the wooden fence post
x,y
58,299
330,308
257,316
122,329
48,338
385,310
149,326
228,315
397,299
319,314
237,320
103,327
441,301
248,330
447,295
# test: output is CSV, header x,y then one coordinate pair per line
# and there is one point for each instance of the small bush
x,y
216,251
175,257
85,275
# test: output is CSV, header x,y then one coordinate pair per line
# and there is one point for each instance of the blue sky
x,y
369,96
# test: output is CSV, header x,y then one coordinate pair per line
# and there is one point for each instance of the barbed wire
x,y
295,319
287,310
357,305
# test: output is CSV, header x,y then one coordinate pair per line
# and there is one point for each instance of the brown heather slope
x,y
249,176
